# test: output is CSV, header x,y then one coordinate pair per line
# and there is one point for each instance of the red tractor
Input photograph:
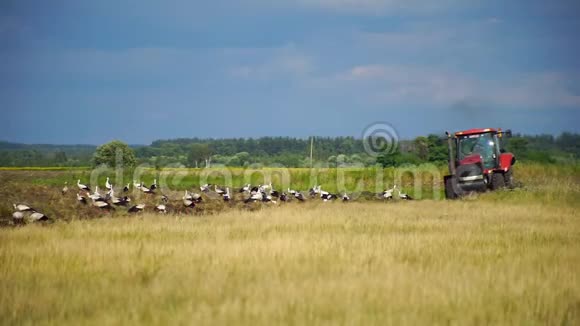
x,y
478,162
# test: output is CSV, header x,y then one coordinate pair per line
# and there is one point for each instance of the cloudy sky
x,y
91,71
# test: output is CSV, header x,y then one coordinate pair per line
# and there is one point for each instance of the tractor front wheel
x,y
497,181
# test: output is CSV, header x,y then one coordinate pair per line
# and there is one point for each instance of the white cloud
x,y
539,90
440,87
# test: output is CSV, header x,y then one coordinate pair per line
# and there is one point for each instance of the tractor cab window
x,y
482,144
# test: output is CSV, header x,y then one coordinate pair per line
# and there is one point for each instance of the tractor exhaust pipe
x,y
451,157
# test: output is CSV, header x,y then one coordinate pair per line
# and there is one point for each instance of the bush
x,y
113,153
540,157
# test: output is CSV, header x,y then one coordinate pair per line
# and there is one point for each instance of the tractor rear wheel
x,y
509,179
449,191
497,181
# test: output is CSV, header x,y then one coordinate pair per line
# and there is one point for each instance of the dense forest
x,y
286,151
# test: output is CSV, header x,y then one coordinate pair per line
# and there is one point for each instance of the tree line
x,y
275,151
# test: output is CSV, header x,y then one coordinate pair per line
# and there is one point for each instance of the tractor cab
x,y
478,146
477,161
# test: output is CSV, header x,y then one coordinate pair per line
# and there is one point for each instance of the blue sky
x,y
93,71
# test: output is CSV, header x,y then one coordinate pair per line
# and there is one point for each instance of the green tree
x,y
355,158
60,157
288,160
422,148
437,148
234,161
113,153
569,143
390,159
332,161
519,146
341,159
198,153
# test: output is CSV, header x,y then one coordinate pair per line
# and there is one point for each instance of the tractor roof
x,y
476,131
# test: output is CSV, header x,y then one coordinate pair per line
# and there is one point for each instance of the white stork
x,y
273,192
82,186
137,208
196,197
314,191
388,194
18,217
96,196
299,196
187,196
22,208
118,201
146,190
36,216
256,190
102,205
403,196
188,203
255,197
161,209
267,198
81,199
327,197
219,191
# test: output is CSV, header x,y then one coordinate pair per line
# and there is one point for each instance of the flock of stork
x,y
260,193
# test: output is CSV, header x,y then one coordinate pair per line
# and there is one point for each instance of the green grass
x,y
366,179
545,184
421,182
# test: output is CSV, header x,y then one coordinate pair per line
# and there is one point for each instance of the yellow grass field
x,y
406,263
